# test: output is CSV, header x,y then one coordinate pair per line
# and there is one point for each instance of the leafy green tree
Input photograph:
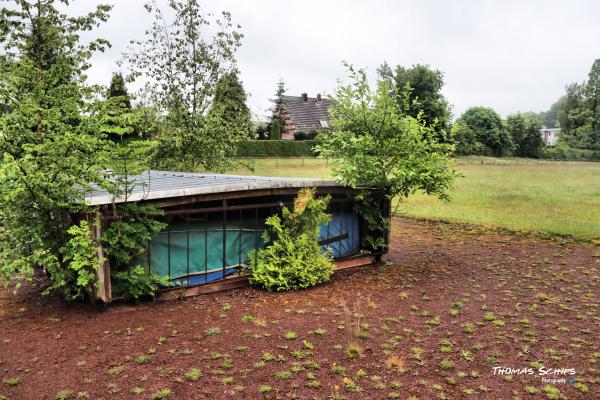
x,y
182,61
592,94
579,111
486,128
525,134
375,146
49,145
570,102
230,102
420,95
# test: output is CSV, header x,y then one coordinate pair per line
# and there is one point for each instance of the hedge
x,y
569,154
276,148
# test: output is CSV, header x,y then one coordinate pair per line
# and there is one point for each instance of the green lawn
x,y
522,194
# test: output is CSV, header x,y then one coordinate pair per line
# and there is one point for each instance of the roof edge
x,y
263,183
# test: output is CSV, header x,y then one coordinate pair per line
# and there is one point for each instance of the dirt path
x,y
448,307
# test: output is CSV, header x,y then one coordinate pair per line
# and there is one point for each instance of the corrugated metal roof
x,y
163,184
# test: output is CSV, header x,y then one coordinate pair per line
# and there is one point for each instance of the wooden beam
x,y
103,287
358,261
180,293
242,280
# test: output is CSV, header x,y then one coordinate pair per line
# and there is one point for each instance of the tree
x,y
420,95
569,102
279,93
525,134
230,102
579,111
51,152
486,129
117,118
548,118
592,94
118,90
277,122
374,146
182,61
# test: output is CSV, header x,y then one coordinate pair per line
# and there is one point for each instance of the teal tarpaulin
x,y
197,247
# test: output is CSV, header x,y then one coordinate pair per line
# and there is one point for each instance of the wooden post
x,y
103,288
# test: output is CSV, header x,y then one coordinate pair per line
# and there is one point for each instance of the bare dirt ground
x,y
448,306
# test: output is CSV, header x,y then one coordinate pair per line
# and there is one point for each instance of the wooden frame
x,y
242,281
104,215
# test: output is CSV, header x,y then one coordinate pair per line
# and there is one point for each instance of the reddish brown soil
x,y
546,295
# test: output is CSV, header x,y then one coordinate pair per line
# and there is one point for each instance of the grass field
x,y
522,194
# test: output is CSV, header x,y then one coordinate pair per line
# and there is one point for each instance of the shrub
x,y
293,258
127,236
137,283
300,135
276,148
80,256
566,153
312,135
125,241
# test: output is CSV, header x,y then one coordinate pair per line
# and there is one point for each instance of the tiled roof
x,y
306,115
162,184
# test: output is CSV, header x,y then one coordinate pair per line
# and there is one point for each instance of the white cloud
x,y
509,55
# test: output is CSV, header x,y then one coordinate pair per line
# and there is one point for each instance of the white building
x,y
550,135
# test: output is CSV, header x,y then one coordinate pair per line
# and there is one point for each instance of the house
x,y
213,221
550,136
303,113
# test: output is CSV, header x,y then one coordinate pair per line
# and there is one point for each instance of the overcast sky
x,y
509,55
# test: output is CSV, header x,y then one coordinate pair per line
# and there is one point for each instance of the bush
x,y
300,135
312,135
566,153
78,280
137,283
293,259
127,236
276,148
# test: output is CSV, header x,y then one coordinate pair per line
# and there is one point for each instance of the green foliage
x,y
137,283
300,135
375,147
579,112
480,131
548,119
276,148
75,277
563,152
124,242
161,394
182,60
230,102
293,259
423,99
525,134
117,89
276,128
50,148
126,237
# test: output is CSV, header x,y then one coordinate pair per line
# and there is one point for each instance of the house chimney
x,y
318,97
304,96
